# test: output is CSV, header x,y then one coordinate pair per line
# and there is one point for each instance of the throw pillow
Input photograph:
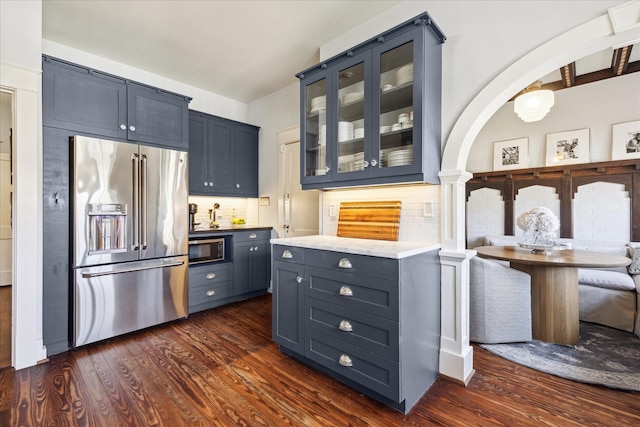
x,y
634,267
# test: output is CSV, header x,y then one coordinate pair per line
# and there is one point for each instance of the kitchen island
x,y
366,312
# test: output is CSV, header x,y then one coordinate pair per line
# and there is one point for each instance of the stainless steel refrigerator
x,y
130,242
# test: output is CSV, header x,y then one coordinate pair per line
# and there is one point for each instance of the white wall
x,y
275,112
595,106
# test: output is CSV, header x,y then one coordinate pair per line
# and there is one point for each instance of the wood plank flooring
x,y
5,326
220,368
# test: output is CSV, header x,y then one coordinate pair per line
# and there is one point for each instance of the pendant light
x,y
534,103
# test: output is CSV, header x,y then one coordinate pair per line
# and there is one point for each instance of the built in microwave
x,y
206,250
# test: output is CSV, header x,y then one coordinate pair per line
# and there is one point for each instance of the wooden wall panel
x,y
565,179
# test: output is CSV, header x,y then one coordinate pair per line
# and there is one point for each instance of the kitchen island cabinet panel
x,y
381,336
367,331
288,305
383,268
369,294
366,368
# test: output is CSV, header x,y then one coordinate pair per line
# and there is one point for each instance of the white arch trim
x,y
620,26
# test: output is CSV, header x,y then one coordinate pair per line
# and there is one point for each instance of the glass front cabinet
x,y
372,114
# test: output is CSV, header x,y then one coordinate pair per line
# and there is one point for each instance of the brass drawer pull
x,y
346,291
287,254
345,263
211,293
211,276
345,360
345,326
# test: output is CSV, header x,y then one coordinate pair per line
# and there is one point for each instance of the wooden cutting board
x,y
369,220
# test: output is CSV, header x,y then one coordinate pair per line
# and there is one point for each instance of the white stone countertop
x,y
379,248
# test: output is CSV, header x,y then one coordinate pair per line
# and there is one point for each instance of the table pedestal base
x,y
554,303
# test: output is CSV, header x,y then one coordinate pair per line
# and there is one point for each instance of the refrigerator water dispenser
x,y
107,227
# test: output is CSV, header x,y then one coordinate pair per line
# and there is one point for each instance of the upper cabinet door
x,y
246,160
315,150
353,115
157,118
198,154
397,141
77,99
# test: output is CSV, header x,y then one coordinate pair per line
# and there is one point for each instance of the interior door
x,y
300,207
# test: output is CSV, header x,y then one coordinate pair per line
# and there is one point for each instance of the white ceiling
x,y
239,49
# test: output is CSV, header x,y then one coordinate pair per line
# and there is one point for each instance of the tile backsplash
x,y
414,225
246,208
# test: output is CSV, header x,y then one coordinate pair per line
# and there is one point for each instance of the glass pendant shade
x,y
533,106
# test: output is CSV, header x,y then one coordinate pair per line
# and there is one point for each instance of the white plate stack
x,y
322,135
358,133
318,103
400,157
345,131
404,74
358,161
352,97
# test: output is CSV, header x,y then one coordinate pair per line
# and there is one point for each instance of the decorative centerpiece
x,y
540,226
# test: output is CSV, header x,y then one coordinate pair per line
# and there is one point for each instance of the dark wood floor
x,y
221,368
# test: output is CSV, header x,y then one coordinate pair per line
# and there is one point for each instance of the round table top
x,y
560,258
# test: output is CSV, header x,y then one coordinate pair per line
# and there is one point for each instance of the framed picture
x,y
569,147
512,154
625,142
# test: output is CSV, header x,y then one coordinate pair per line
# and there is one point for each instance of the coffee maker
x,y
193,209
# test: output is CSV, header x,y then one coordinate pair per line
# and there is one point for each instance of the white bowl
x,y
396,126
385,129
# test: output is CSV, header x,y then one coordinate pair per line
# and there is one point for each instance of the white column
x,y
456,355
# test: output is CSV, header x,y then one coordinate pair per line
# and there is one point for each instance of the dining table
x,y
554,285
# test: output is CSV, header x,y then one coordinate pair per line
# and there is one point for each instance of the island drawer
x,y
384,268
367,368
291,254
372,295
372,333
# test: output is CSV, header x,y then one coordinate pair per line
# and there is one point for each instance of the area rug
x,y
603,356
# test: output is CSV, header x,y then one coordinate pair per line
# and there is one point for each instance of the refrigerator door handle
x,y
136,201
143,200
89,275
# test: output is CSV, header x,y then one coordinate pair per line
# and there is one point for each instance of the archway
x,y
620,26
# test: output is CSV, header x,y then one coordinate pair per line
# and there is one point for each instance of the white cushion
x,y
606,279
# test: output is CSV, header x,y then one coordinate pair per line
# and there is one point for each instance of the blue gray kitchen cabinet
x,y
223,156
210,285
370,322
288,298
371,115
244,273
88,101
55,242
251,261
